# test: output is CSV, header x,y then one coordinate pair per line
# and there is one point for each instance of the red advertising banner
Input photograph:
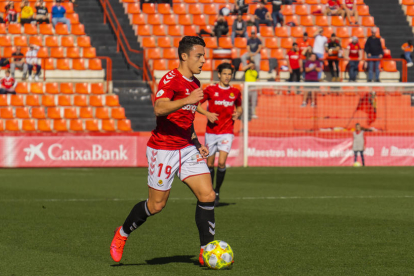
x,y
129,151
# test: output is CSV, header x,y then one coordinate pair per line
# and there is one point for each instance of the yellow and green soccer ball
x,y
218,255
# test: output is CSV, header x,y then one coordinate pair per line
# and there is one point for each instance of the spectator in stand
x,y
305,48
251,75
11,14
254,46
319,47
42,14
408,49
333,7
26,14
374,50
294,64
18,61
32,61
262,16
312,68
221,27
240,7
58,15
333,49
350,8
354,55
4,62
73,2
276,14
8,84
239,28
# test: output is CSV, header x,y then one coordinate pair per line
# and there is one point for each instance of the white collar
x,y
224,88
187,79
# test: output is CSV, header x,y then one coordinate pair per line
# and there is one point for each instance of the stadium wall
x,y
128,150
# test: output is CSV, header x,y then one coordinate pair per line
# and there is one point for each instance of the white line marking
x,y
192,198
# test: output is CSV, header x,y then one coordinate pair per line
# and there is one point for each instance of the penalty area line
x,y
192,198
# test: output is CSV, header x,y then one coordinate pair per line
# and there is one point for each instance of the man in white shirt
x,y
319,47
32,61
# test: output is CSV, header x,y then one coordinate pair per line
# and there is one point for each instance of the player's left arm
x,y
201,148
212,117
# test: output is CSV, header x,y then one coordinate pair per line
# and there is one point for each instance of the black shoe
x,y
377,81
216,202
369,80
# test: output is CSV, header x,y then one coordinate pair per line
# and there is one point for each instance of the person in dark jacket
x,y
374,50
239,28
221,27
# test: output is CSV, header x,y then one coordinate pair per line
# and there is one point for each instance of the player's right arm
x,y
164,106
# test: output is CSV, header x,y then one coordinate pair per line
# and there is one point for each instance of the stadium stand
x,y
57,103
156,24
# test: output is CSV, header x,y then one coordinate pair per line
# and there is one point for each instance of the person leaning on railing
x,y
373,48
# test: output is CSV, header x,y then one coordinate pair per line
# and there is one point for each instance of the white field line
x,y
192,198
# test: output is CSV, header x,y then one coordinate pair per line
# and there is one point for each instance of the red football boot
x,y
117,245
200,257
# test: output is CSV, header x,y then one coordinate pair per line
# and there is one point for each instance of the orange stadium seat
x,y
296,31
5,41
170,53
102,113
80,100
64,100
148,42
70,113
369,32
164,9
60,125
321,21
78,64
36,40
67,41
78,29
73,17
3,100
66,87
199,20
38,113
358,32
154,19
36,87
180,8
158,30
240,42
63,64
95,64
32,100
118,113
84,41
51,41
312,2
43,52
363,10
46,29
6,113
342,32
52,88
97,88
82,88
22,113
279,32
92,125
148,8
225,42
153,53
133,8
85,113
89,52
21,88
184,20
210,9
368,21
337,21
17,100
124,125
55,113
389,66
72,52
30,29
164,42
68,6
3,29
190,30
44,125
194,9
301,10
108,125
112,100
96,101
306,20
138,19
272,43
312,31
57,52
15,29
62,29
12,125
169,19
172,64
29,125
328,31
76,125
49,100
407,2
277,53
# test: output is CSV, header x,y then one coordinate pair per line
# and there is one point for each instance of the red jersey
x,y
294,58
7,82
222,101
302,46
353,50
333,5
349,4
173,132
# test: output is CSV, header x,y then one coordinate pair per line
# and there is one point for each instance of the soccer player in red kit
x,y
224,107
174,149
8,84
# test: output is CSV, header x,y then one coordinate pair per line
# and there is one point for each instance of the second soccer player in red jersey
x,y
224,107
174,149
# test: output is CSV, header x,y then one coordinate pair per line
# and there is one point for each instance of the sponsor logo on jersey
x,y
231,95
216,94
224,142
224,103
197,158
160,183
190,107
160,93
187,92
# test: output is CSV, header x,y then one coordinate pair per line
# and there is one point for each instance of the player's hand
x,y
236,115
290,70
195,96
203,151
212,117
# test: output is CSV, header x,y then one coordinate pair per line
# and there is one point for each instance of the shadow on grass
x,y
224,204
165,260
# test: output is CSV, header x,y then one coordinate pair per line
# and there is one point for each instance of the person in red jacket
x,y
8,84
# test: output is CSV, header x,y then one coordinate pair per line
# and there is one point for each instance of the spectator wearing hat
x,y
374,50
354,54
262,16
254,46
239,28
294,64
58,15
408,49
8,84
333,49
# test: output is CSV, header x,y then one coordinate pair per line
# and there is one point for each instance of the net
x,y
313,124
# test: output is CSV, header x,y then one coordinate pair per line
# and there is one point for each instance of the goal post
x,y
313,124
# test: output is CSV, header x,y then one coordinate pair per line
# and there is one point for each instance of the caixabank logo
x,y
58,152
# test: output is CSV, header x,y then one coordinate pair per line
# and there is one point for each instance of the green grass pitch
x,y
279,221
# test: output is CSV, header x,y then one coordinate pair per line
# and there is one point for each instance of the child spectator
x,y
11,14
26,14
58,15
312,68
32,61
358,143
354,56
42,14
262,16
294,64
333,7
239,28
18,61
351,10
408,49
333,49
8,84
254,46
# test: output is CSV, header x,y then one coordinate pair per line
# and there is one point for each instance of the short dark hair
x,y
225,65
187,43
305,34
294,43
357,124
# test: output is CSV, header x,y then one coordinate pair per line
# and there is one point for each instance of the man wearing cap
x,y
354,54
254,46
333,49
374,50
58,15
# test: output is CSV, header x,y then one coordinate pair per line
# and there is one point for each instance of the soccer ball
x,y
218,255
357,164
